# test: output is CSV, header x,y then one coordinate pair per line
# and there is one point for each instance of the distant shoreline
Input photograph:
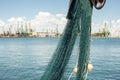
x,y
104,37
54,37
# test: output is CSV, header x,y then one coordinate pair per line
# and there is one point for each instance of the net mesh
x,y
79,20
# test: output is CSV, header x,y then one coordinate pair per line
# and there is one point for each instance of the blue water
x,y
27,58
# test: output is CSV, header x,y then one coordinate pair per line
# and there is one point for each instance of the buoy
x,y
75,70
90,67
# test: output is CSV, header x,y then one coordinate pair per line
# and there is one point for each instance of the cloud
x,y
2,23
95,28
12,24
12,19
47,21
43,14
1,26
113,26
43,21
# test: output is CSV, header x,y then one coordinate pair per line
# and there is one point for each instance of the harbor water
x,y
27,58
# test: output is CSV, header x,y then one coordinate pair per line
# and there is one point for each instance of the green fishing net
x,y
79,22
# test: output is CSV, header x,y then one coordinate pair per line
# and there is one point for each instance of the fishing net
x,y
79,20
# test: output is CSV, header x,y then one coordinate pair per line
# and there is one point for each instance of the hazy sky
x,y
29,8
48,14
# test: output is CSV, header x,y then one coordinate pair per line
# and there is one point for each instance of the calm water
x,y
26,58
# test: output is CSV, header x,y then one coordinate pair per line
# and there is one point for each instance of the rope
x,y
76,62
70,75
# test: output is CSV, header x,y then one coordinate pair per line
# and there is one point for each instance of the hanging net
x,y
79,22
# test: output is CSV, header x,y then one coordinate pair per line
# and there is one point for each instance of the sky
x,y
31,10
